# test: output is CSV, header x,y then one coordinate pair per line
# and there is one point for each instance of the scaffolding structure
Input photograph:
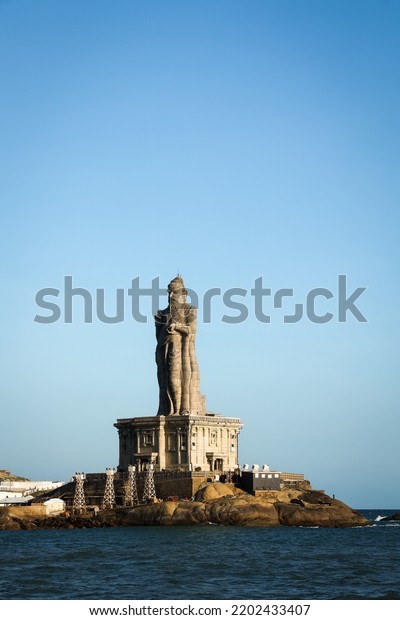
x,y
149,492
131,494
109,491
79,503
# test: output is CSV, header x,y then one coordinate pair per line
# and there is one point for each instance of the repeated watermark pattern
x,y
239,302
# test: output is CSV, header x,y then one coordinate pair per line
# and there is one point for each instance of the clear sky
x,y
228,140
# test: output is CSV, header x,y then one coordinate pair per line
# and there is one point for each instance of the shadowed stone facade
x,y
182,436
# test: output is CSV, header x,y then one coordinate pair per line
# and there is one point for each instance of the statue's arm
x,y
181,328
189,327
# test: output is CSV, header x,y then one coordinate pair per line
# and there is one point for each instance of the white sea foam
x,y
309,527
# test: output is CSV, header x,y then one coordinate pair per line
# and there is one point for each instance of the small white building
x,y
54,505
9,494
28,486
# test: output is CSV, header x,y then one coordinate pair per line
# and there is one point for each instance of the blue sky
x,y
229,141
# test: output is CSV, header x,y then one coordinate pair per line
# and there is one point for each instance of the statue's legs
x,y
165,406
186,377
174,362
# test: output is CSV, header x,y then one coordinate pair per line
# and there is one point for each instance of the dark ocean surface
x,y
203,562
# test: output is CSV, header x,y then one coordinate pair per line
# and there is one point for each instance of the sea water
x,y
203,562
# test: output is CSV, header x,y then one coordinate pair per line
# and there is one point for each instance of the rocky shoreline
x,y
215,503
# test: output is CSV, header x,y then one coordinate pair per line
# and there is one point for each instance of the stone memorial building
x,y
183,436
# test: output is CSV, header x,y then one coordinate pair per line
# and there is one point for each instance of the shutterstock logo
x,y
264,304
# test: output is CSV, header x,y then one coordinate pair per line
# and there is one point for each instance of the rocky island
x,y
214,503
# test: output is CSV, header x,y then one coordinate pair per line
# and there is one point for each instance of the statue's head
x,y
177,292
176,289
176,285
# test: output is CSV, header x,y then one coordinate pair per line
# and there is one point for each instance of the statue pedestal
x,y
181,443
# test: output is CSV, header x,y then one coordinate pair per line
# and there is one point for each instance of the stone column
x,y
178,447
161,444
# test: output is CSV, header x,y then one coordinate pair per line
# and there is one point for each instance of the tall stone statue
x,y
177,368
